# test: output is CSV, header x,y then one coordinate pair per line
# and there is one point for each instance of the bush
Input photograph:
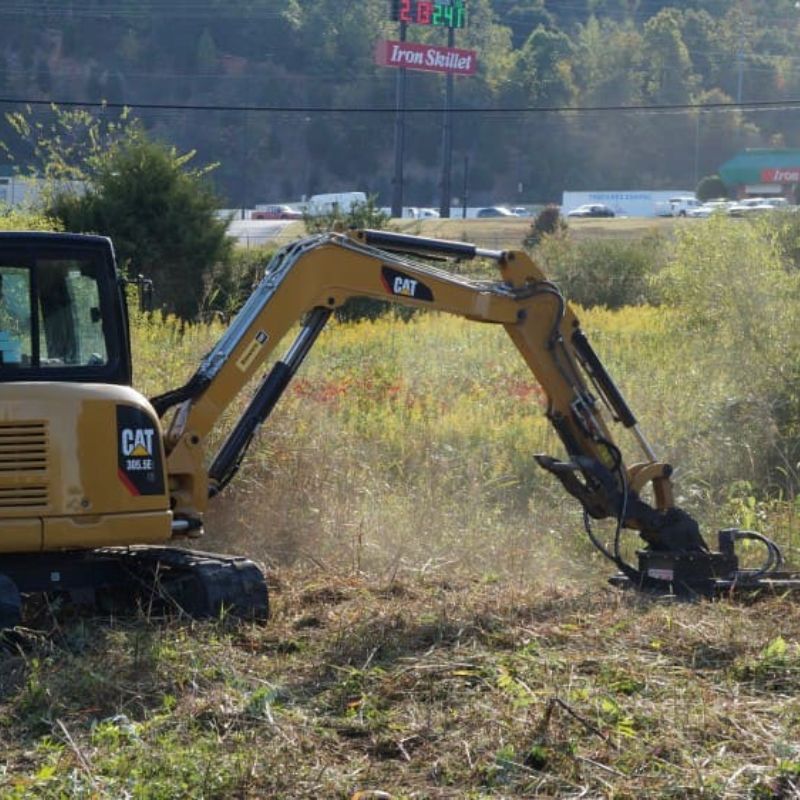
x,y
785,228
160,211
361,215
710,188
729,282
160,215
548,221
14,219
232,281
602,273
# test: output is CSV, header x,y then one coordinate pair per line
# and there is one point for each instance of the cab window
x,y
51,315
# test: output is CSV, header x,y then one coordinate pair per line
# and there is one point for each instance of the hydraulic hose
x,y
774,559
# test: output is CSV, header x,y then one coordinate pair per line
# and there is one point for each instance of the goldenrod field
x,y
403,445
441,628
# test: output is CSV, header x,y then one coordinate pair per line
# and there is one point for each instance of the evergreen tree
x,y
160,214
160,211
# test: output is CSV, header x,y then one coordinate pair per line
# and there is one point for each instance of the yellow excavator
x,y
99,498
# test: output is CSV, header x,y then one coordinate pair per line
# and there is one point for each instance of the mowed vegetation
x,y
441,628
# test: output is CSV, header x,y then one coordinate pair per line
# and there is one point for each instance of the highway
x,y
255,232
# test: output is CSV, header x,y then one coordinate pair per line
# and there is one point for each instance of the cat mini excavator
x,y
99,497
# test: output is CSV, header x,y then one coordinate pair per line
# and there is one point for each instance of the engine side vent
x,y
23,496
23,465
23,447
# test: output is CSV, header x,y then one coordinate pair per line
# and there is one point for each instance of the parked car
x,y
757,205
774,204
427,213
495,211
746,206
592,210
276,212
521,211
710,207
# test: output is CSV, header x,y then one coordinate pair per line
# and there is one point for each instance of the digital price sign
x,y
441,13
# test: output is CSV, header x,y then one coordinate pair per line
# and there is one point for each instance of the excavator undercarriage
x,y
145,579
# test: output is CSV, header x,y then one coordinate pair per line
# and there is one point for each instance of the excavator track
x,y
123,579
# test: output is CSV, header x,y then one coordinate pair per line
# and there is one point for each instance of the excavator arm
x,y
311,278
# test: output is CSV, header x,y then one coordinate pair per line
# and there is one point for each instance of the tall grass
x,y
409,445
406,448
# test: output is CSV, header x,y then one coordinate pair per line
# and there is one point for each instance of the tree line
x,y
549,109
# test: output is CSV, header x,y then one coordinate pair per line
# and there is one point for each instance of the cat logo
x,y
252,350
402,285
139,452
136,447
137,443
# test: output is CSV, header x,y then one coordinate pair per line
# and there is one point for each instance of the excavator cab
x,y
63,315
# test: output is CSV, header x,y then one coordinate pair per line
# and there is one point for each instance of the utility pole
x,y
464,202
740,65
399,134
447,135
740,71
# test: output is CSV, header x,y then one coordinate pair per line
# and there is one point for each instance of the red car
x,y
276,212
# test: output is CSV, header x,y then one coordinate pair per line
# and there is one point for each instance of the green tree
x,y
160,213
669,68
543,68
711,187
105,175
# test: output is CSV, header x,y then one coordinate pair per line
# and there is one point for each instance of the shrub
x,y
232,281
360,215
547,221
161,215
14,219
785,228
710,187
602,273
729,282
159,210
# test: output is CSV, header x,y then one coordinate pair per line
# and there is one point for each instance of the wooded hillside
x,y
326,118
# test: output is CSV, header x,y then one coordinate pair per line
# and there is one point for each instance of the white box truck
x,y
630,203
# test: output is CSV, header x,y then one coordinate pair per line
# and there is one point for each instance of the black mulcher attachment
x,y
676,560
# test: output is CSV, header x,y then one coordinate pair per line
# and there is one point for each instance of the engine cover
x,y
81,465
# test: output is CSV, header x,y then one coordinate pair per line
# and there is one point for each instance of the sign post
x,y
399,135
450,14
447,136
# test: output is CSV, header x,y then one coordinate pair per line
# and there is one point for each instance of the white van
x,y
681,206
336,201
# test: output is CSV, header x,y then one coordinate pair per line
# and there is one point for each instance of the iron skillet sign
x,y
424,57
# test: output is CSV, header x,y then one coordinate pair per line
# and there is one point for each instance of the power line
x,y
775,105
